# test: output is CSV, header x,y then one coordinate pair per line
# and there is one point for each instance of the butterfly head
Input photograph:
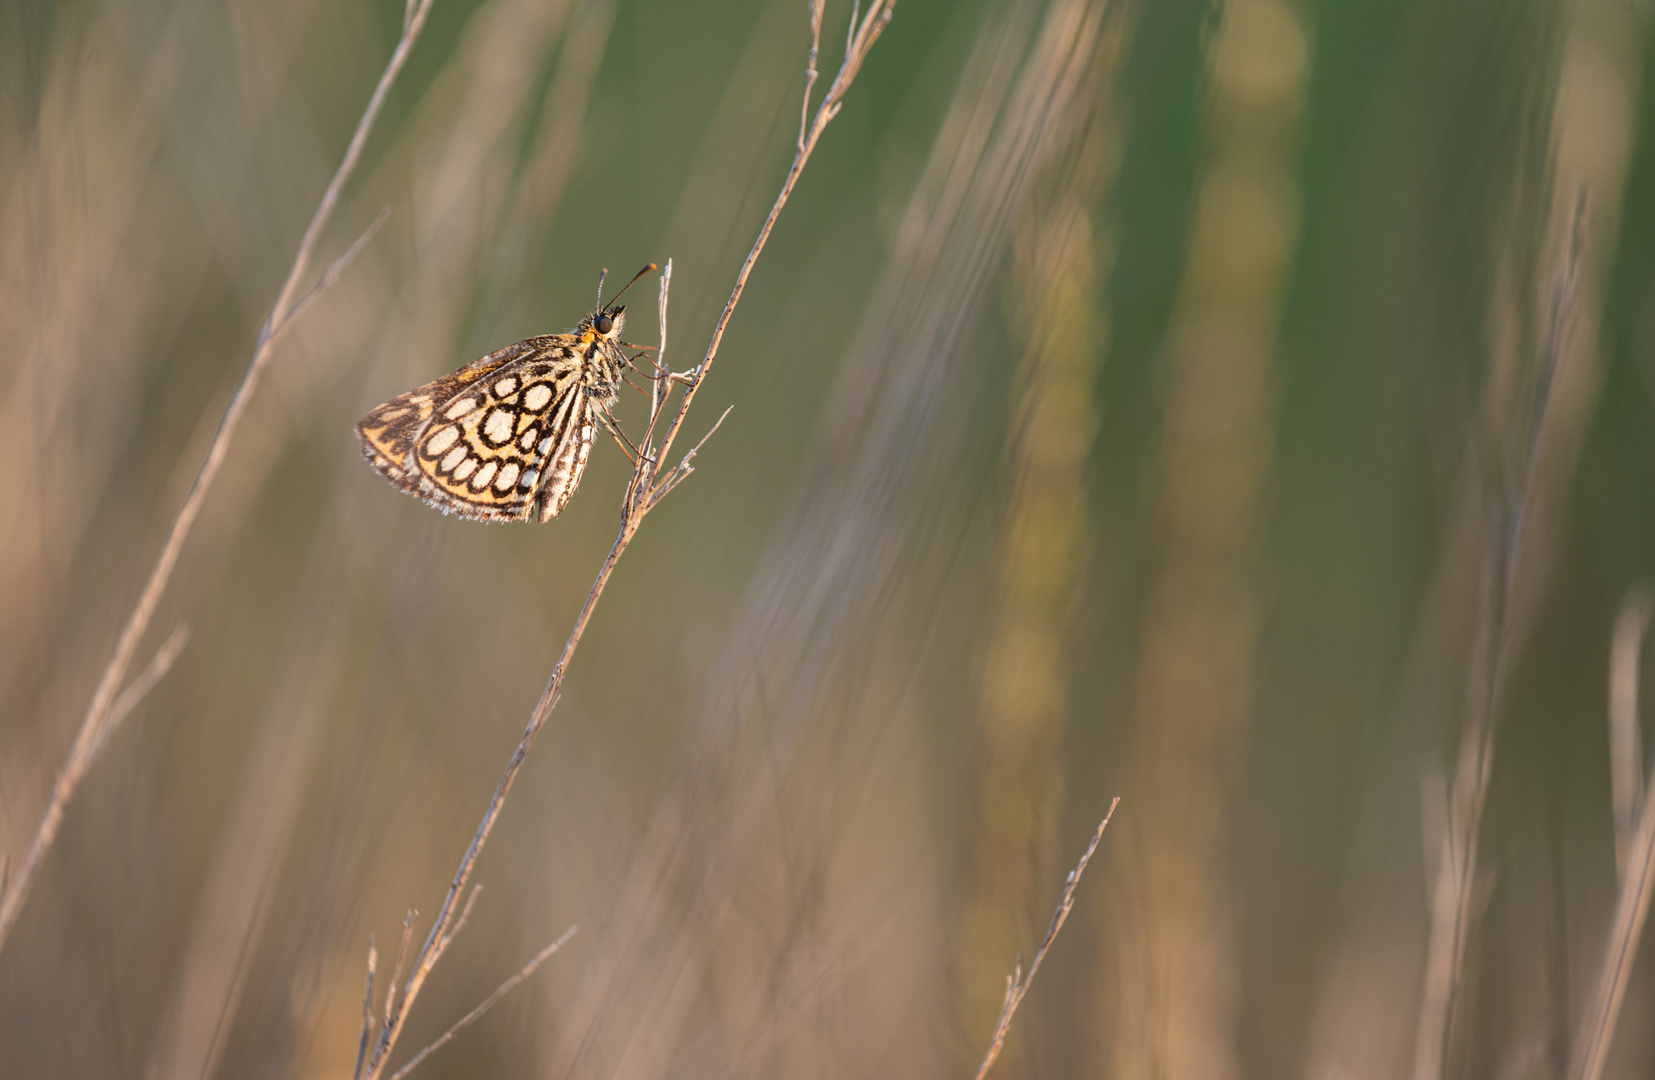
x,y
606,322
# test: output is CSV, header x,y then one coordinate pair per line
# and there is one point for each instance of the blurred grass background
x,y
1121,407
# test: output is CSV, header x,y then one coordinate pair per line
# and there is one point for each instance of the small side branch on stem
x,y
489,1002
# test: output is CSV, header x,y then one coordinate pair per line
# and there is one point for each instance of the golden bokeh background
x,y
1195,402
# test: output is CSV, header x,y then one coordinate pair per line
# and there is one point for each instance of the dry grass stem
x,y
1635,850
93,733
644,492
465,913
658,387
402,956
489,1002
367,1010
817,7
1017,983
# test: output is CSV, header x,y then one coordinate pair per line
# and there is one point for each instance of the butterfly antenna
x,y
647,268
601,275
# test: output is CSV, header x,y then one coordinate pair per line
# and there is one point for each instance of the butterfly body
x,y
506,437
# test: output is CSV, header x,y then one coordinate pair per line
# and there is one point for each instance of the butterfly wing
x,y
495,440
389,432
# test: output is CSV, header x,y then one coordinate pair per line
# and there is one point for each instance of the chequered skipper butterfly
x,y
506,436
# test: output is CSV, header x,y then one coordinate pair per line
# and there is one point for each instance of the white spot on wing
x,y
498,425
484,475
442,440
455,456
537,397
507,477
527,440
460,408
506,385
466,468
527,483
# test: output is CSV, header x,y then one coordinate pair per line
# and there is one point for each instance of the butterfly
x,y
506,437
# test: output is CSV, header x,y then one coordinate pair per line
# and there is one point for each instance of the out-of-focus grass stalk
x,y
1456,886
1626,786
545,175
1377,1004
726,186
289,303
826,581
650,484
1059,258
1634,845
1177,1015
44,308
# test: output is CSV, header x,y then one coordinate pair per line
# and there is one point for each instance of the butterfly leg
x,y
610,425
660,372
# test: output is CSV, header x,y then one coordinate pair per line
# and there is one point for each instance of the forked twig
x,y
95,726
489,1002
337,267
157,669
682,470
1017,983
465,916
643,493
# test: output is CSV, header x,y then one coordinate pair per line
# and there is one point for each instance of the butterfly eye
x,y
603,324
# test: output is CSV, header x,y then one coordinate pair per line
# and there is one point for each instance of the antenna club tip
x,y
651,268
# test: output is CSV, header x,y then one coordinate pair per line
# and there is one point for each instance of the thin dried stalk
x,y
402,956
648,486
817,7
367,1010
1635,852
1017,983
97,723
